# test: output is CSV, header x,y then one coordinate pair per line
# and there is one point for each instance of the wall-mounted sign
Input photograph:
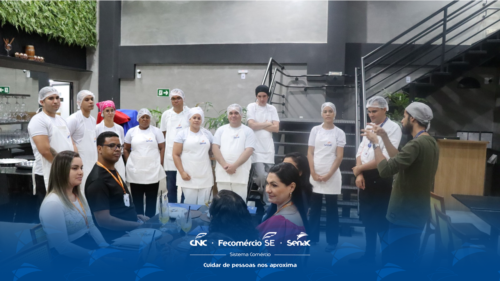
x,y
163,92
4,90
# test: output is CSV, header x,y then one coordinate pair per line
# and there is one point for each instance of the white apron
x,y
325,153
264,144
196,162
88,152
232,146
144,163
175,124
60,141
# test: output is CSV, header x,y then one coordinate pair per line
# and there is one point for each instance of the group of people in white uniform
x,y
181,148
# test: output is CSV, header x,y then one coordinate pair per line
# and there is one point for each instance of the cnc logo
x,y
203,142
237,136
328,143
198,242
149,140
179,126
298,242
268,242
269,235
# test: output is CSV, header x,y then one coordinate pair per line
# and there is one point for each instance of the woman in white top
x,y
191,153
65,214
325,153
144,151
108,109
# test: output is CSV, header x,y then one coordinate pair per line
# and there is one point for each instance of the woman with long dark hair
x,y
65,214
289,221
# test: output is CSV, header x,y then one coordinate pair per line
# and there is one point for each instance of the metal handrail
x,y
269,68
428,51
410,29
419,36
314,87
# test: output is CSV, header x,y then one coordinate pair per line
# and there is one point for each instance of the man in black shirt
x,y
108,196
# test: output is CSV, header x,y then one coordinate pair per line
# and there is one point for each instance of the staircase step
x,y
441,74
477,52
351,204
461,63
292,132
318,121
302,144
281,156
347,172
349,187
350,221
492,40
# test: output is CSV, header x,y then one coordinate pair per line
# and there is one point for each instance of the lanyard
x,y
119,178
381,125
284,206
84,214
419,133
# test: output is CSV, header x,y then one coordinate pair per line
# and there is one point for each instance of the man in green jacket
x,y
415,166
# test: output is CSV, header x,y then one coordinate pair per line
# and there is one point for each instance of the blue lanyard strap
x,y
381,125
419,133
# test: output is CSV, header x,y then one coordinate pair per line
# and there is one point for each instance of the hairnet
x,y
420,111
177,92
196,110
377,101
236,107
47,91
329,104
105,104
143,111
262,88
81,95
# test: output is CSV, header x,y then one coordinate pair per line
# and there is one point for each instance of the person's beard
x,y
407,128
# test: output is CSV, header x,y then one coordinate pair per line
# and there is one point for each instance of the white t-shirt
x,y
151,129
366,152
77,124
336,133
64,225
166,115
264,145
101,128
249,134
41,125
183,134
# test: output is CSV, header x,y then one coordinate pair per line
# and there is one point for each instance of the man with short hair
x,y
232,147
47,130
374,191
263,119
173,121
81,125
108,196
415,166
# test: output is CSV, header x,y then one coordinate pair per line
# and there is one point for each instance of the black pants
x,y
172,187
332,218
40,192
151,191
374,200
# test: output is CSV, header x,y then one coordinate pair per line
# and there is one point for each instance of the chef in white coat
x,y
233,145
263,119
81,126
144,150
325,153
191,154
173,121
108,110
47,130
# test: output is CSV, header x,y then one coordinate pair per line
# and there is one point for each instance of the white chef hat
x,y
81,95
177,92
236,107
420,111
47,91
143,111
196,110
329,104
377,101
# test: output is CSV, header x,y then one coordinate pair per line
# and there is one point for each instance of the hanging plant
x,y
398,102
70,22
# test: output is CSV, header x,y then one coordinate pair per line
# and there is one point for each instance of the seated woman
x,y
65,214
289,221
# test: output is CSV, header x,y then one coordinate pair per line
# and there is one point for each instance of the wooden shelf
x,y
22,63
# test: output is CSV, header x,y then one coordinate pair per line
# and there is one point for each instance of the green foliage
x,y
397,103
220,120
71,22
157,113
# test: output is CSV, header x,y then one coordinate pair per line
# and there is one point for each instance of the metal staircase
x,y
433,52
294,135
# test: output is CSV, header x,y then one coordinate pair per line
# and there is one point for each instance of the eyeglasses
x,y
114,146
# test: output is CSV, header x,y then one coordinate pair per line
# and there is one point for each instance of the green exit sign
x,y
163,92
4,90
